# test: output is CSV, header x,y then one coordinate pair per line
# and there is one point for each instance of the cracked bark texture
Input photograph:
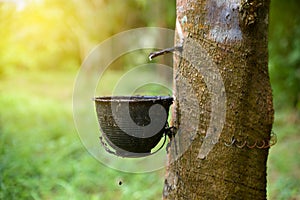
x,y
233,34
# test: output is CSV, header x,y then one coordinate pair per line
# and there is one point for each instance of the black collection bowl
x,y
133,114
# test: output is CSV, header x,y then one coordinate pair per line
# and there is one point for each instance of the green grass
x,y
284,160
42,157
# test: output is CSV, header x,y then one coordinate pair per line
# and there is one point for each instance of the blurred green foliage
x,y
284,52
41,47
55,34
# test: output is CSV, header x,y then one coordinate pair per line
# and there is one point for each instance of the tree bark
x,y
214,156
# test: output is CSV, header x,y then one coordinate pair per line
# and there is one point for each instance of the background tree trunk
x,y
233,34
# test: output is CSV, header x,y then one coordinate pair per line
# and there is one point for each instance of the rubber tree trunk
x,y
223,101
